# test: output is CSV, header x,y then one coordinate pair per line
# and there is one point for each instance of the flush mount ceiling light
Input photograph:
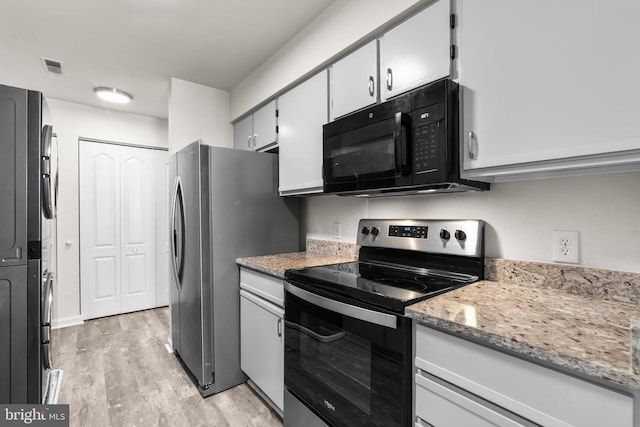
x,y
112,94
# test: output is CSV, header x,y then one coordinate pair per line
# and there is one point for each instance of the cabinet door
x,y
262,345
243,134
302,113
354,81
552,83
417,51
264,127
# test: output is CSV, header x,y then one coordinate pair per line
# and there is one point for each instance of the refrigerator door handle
x,y
177,234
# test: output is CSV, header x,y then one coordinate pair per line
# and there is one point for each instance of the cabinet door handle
x,y
372,86
255,136
389,79
249,141
473,146
279,327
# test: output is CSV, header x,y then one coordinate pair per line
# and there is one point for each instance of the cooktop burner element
x,y
402,262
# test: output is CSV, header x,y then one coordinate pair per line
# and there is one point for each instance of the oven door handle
x,y
364,314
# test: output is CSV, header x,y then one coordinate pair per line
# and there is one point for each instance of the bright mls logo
x,y
36,415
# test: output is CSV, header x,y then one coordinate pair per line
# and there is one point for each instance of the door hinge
x,y
453,51
277,129
452,20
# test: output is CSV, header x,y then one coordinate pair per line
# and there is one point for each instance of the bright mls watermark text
x,y
34,415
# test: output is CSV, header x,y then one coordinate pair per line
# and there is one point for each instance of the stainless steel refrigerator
x,y
225,205
28,173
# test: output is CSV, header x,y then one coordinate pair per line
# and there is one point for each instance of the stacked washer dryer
x,y
28,177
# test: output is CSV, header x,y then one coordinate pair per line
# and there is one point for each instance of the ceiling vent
x,y
52,65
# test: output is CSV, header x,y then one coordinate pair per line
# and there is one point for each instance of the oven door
x,y
361,154
349,365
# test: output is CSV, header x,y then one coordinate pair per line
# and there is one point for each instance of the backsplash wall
x,y
520,217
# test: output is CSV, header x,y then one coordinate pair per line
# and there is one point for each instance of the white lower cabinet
x,y
262,333
461,383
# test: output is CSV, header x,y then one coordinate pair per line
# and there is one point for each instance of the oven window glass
x,y
348,370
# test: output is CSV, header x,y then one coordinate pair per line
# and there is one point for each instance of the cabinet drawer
x,y
541,395
439,405
268,287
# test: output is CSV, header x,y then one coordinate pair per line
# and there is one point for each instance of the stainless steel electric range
x,y
348,345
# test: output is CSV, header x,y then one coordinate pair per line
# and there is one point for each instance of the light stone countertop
x,y
276,265
319,252
583,320
591,336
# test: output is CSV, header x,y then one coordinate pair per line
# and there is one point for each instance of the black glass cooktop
x,y
379,285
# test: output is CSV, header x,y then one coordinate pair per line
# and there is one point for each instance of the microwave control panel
x,y
425,143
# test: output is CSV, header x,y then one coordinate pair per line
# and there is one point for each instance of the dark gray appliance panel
x,y
13,334
13,176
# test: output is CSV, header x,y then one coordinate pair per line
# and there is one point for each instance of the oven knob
x,y
444,234
365,230
460,235
374,231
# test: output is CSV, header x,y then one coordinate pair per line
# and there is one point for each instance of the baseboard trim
x,y
66,322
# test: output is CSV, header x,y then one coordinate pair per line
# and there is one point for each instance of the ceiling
x,y
138,45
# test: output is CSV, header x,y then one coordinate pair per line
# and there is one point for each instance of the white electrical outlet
x,y
337,230
566,246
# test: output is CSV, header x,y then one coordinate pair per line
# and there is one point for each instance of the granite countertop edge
x,y
589,369
276,265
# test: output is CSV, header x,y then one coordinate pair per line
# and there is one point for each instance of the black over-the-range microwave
x,y
407,144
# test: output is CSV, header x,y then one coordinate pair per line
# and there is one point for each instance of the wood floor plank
x,y
119,373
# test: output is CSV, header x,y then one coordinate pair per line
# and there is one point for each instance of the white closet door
x,y
117,228
99,229
138,228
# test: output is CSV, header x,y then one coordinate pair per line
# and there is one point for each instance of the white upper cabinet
x,y
258,131
417,51
303,112
549,87
354,81
243,134
265,125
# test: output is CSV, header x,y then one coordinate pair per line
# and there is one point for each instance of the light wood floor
x,y
117,372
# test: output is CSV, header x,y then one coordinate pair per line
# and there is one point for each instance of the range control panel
x,y
414,231
453,237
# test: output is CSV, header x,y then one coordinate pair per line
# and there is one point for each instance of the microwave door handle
x,y
401,142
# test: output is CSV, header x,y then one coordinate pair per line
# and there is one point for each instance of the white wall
x,y
342,25
198,112
520,216
71,122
